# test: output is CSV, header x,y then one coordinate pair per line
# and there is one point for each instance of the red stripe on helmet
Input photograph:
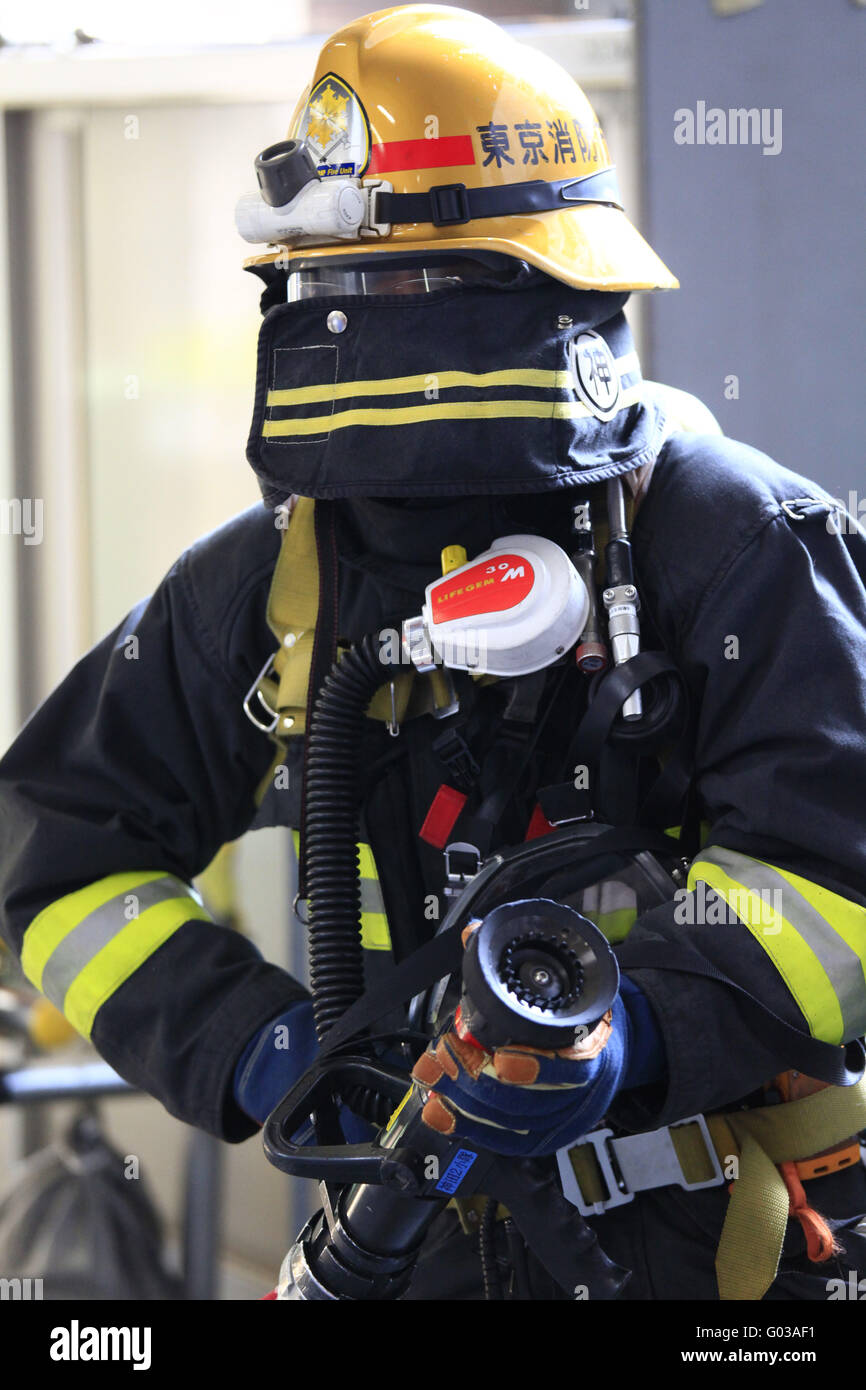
x,y
448,151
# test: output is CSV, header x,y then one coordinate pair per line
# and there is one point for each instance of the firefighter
x,y
444,360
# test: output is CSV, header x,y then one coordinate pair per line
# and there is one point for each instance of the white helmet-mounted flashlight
x,y
295,205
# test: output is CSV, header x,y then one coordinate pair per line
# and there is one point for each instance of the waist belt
x,y
812,1136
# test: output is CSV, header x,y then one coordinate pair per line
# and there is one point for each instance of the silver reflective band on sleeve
x,y
815,938
371,896
375,934
83,947
93,932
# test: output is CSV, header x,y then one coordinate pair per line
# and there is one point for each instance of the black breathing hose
x,y
332,826
490,1275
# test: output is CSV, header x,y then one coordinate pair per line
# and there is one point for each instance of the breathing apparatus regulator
x,y
523,603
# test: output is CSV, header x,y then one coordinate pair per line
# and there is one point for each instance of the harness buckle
x,y
372,225
454,752
249,709
449,203
799,508
571,1190
462,863
635,1163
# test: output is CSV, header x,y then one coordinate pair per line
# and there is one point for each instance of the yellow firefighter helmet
x,y
458,139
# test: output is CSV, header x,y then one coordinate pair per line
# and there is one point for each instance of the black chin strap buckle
x,y
449,204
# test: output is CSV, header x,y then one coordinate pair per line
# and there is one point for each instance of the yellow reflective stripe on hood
x,y
402,385
439,410
815,938
83,947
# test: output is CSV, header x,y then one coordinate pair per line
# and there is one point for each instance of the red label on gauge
x,y
491,586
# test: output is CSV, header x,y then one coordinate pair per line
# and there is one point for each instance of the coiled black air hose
x,y
490,1275
332,826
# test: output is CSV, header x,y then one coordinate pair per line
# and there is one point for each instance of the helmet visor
x,y
310,279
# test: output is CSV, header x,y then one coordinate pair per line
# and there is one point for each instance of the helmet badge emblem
x,y
334,127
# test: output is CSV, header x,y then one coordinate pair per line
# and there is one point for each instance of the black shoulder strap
x,y
434,960
616,685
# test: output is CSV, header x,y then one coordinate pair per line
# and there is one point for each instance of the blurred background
x,y
127,355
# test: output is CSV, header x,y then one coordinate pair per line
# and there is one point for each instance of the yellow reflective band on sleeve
x,y
57,920
612,905
815,938
83,947
374,932
615,926
122,957
847,918
375,935
685,412
367,862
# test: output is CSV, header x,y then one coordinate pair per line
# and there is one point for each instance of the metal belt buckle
x,y
571,1187
650,1160
636,1163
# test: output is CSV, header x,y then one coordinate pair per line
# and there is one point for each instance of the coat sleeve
x,y
764,609
115,795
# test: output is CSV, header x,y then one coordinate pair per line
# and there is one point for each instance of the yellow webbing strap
x,y
748,1255
751,1243
293,607
588,1173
